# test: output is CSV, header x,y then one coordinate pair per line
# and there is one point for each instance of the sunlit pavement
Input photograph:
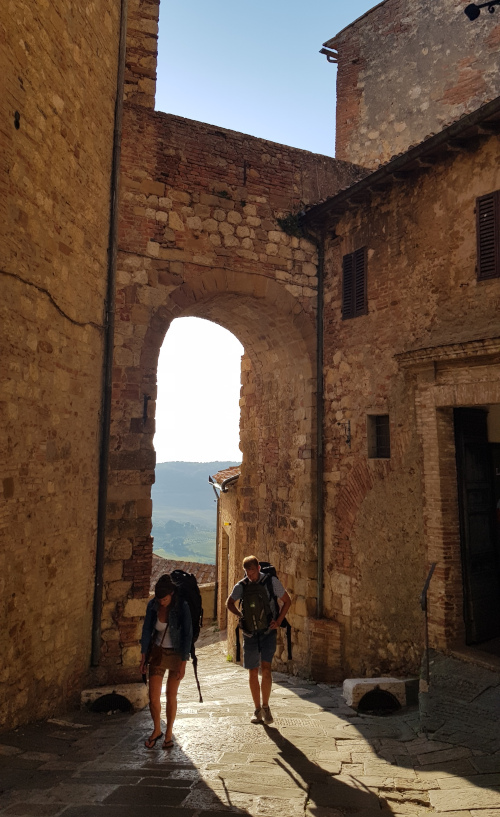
x,y
318,759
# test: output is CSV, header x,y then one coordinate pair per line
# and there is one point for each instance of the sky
x,y
255,68
197,411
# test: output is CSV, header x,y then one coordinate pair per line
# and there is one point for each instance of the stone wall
x,y
423,294
199,236
142,48
58,74
406,70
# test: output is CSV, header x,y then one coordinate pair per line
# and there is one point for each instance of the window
x,y
354,284
488,236
379,436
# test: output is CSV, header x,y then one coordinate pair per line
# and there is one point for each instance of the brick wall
x,y
408,69
58,69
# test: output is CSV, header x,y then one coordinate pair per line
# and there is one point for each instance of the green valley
x,y
185,510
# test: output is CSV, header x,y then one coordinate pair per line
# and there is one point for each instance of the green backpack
x,y
259,606
255,606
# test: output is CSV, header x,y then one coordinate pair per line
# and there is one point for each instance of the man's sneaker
x,y
258,716
266,712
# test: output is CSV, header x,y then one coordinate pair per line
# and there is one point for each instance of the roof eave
x,y
417,158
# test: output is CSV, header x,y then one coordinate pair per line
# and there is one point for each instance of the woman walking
x,y
166,640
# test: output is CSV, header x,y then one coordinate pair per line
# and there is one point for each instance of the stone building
x,y
116,219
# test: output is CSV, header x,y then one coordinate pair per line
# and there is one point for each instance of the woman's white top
x,y
160,627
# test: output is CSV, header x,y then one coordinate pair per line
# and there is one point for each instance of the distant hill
x,y
184,510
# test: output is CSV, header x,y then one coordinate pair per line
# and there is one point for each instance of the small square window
x,y
379,436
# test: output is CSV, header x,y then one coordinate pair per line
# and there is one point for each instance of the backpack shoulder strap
x,y
267,580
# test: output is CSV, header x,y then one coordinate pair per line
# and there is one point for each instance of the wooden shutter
x,y
488,236
354,300
360,282
347,286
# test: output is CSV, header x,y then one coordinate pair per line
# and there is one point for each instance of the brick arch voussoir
x,y
249,306
359,483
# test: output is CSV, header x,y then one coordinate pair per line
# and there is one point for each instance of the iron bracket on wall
x,y
473,10
347,430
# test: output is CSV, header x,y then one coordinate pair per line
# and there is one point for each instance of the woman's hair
x,y
164,587
250,561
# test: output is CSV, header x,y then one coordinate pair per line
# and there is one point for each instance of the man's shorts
x,y
257,649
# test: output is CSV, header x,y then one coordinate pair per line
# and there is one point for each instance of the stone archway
x,y
207,228
275,500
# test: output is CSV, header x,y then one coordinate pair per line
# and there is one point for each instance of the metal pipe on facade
x,y
217,545
109,342
319,241
216,592
228,481
319,426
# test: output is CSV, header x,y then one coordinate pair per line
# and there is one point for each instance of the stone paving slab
x,y
486,763
33,810
489,812
147,796
465,798
483,780
318,759
130,810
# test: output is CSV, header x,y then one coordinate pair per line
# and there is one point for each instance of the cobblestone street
x,y
318,759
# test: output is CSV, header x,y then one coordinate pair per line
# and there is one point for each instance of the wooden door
x,y
478,531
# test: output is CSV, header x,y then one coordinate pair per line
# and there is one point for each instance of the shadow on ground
x,y
319,759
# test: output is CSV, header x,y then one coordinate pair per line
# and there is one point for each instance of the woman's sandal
x,y
150,743
168,744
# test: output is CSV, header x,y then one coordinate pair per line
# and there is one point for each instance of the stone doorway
x,y
449,379
479,534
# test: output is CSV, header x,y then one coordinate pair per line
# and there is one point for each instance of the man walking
x,y
260,617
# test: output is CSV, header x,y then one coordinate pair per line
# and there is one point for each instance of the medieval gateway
x,y
365,290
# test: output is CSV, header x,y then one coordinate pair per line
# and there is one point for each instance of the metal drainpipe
x,y
319,241
108,343
215,611
217,543
319,425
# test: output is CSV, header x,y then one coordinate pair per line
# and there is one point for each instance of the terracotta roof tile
x,y
220,476
205,574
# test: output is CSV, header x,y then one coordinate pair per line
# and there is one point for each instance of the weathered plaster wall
x,y
199,236
226,544
408,69
58,69
422,293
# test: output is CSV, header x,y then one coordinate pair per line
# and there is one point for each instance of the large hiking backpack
x,y
255,607
259,605
188,589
